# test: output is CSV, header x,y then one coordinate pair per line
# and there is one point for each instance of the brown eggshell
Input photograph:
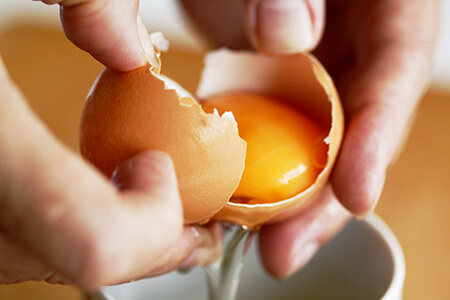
x,y
126,113
303,81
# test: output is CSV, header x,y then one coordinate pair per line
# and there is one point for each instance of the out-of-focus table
x,y
55,77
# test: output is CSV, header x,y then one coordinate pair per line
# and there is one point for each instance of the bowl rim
x,y
395,287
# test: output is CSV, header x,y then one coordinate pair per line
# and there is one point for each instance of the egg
x,y
285,147
302,82
126,113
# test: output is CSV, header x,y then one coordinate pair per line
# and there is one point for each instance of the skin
x,y
62,221
379,55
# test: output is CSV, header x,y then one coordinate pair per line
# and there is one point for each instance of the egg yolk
x,y
285,147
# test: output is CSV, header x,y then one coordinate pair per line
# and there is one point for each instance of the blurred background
x,y
55,77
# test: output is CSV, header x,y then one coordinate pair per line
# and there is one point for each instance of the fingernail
x,y
200,257
146,43
302,256
151,170
375,200
209,247
283,26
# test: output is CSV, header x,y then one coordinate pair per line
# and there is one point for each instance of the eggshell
x,y
300,79
126,113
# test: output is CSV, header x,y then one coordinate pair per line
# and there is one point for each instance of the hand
x,y
61,220
112,31
379,54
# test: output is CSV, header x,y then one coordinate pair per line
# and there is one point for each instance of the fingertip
x,y
284,252
302,257
270,258
283,27
147,46
197,245
287,247
274,249
360,171
150,171
132,235
357,192
208,240
108,30
373,203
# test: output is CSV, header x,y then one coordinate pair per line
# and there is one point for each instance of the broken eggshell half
x,y
300,80
127,113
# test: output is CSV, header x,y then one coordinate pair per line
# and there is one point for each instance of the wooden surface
x,y
55,77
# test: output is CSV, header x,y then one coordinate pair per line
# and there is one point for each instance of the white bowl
x,y
365,261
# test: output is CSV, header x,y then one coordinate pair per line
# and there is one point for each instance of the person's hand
x,y
61,220
379,54
112,31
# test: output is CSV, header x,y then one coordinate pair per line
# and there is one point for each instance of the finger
x,y
284,26
197,246
72,217
148,172
66,219
286,247
148,186
380,97
112,31
210,17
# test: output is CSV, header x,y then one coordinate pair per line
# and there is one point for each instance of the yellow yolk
x,y
285,148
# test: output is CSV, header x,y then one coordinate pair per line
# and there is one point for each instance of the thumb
x,y
148,181
112,31
284,26
151,172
